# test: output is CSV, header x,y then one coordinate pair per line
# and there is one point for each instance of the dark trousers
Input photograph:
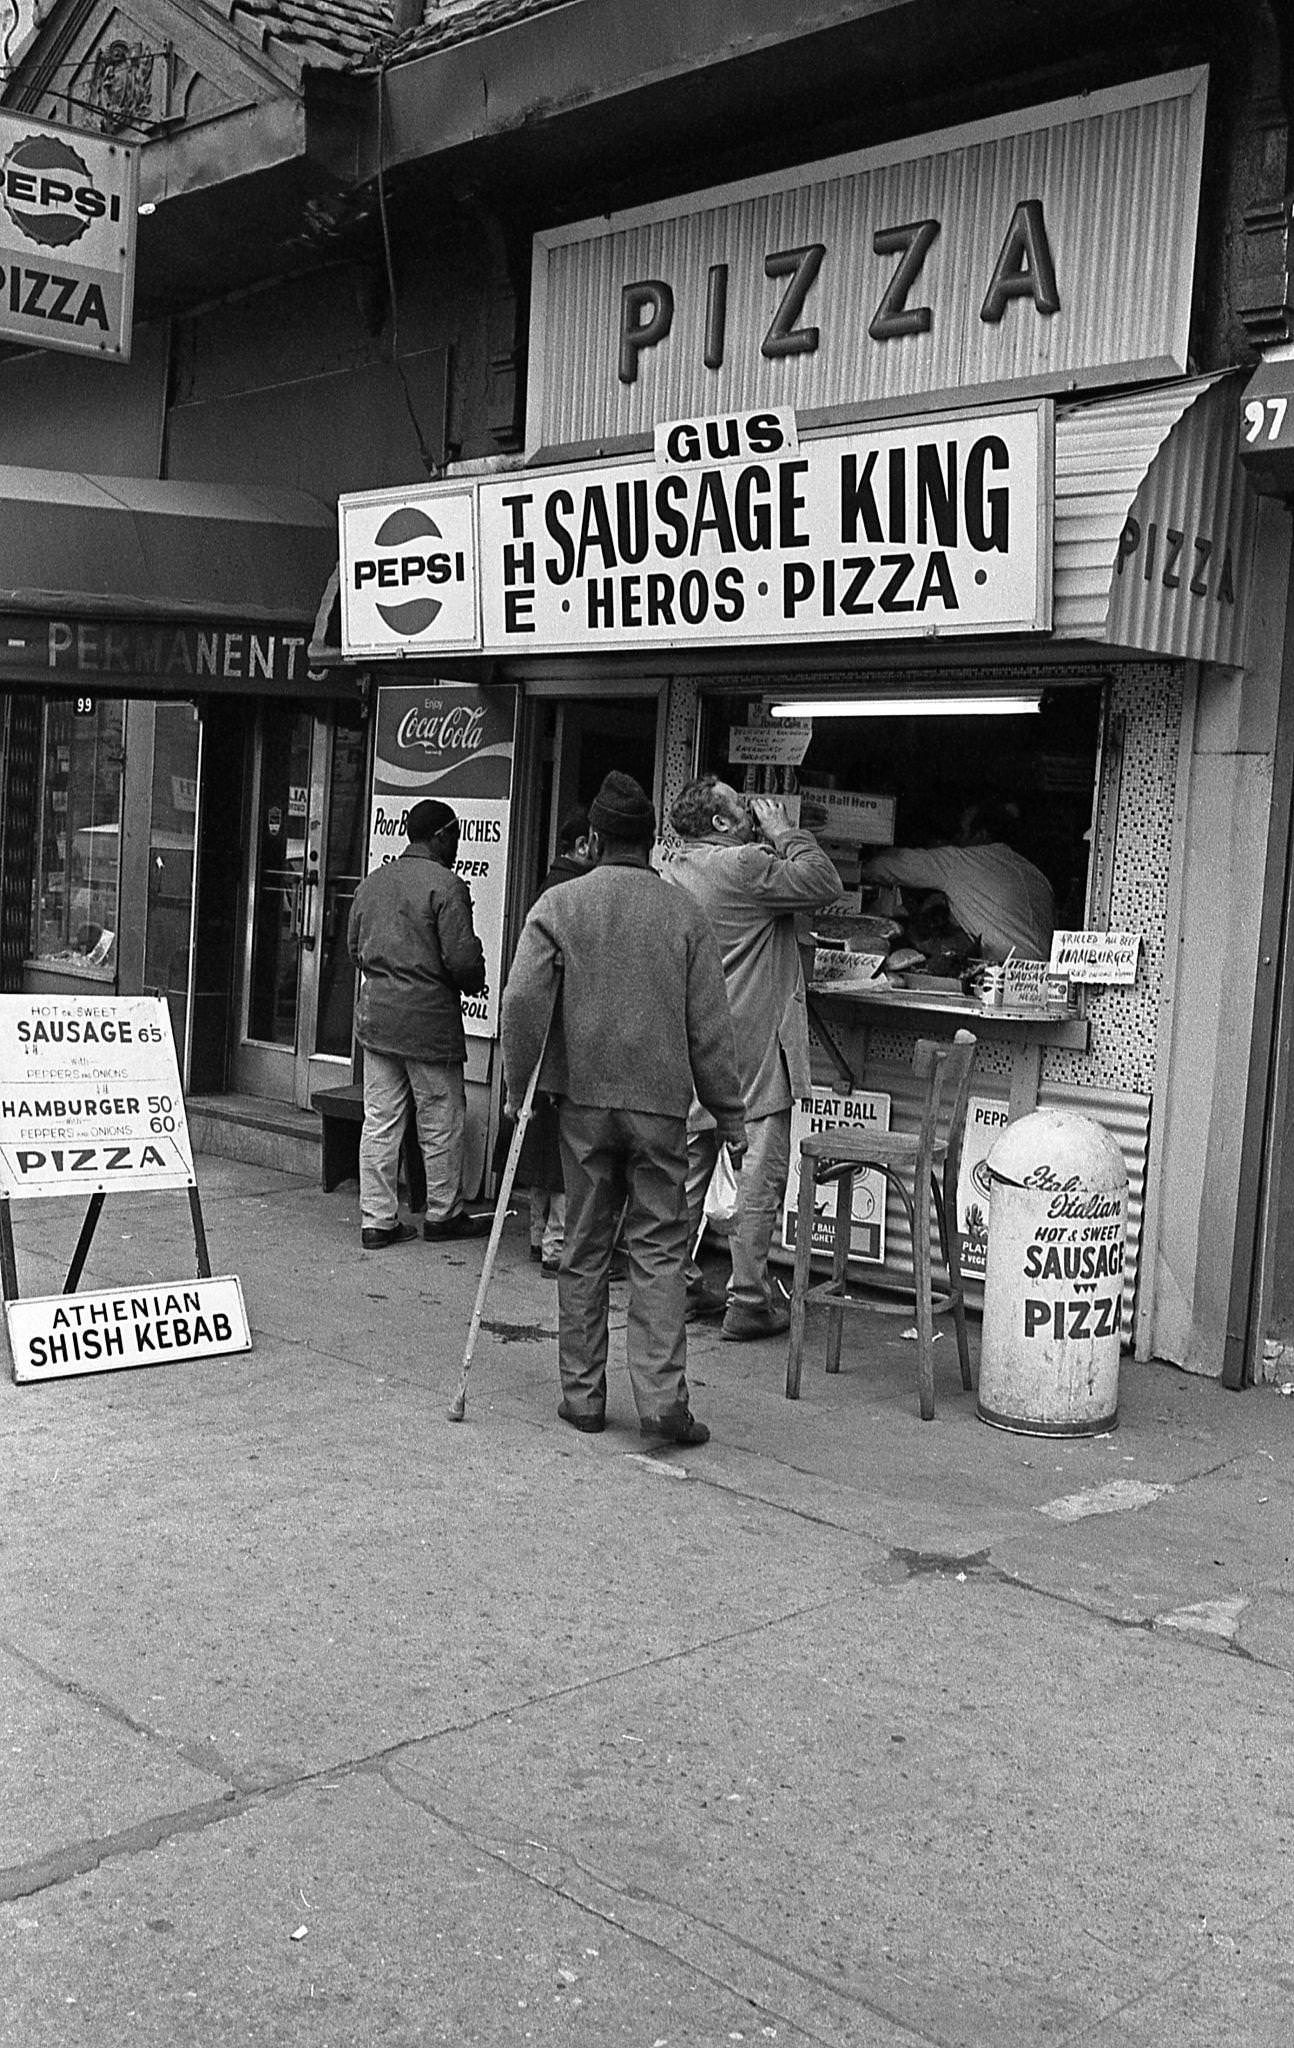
x,y
614,1159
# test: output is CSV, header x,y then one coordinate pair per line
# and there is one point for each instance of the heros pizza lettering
x,y
689,547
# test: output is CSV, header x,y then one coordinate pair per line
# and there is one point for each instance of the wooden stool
x,y
908,1161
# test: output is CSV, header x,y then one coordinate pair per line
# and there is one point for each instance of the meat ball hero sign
x,y
735,530
68,206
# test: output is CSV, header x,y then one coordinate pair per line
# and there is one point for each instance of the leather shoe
x,y
462,1223
703,1303
376,1240
677,1429
550,1266
741,1325
589,1421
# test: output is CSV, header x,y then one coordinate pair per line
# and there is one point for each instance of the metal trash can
x,y
1053,1281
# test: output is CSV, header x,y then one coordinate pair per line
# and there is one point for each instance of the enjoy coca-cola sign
x,y
442,729
447,740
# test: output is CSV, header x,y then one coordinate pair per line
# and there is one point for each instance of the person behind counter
x,y
993,892
751,870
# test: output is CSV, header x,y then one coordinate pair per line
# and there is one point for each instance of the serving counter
x,y
844,1022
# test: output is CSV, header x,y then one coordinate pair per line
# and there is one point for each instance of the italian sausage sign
x,y
90,1097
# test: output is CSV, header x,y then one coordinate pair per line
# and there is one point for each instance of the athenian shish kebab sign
x,y
90,1104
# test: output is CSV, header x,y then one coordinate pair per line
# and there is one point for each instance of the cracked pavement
x,y
330,1723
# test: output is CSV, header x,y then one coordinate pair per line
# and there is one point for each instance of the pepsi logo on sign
x,y
50,194
406,561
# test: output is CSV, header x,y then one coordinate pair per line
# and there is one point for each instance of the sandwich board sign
x,y
90,1101
91,1105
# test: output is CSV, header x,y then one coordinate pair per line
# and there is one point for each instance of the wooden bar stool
x,y
911,1162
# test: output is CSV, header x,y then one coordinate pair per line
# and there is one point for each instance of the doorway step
x,y
259,1133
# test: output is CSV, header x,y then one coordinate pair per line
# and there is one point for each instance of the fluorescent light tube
x,y
984,706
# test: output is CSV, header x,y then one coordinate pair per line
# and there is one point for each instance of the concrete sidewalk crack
x,y
559,1887
77,1859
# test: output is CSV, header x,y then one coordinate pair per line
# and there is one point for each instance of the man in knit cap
x,y
412,938
629,971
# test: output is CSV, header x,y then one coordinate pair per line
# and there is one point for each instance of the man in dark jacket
x,y
412,938
629,971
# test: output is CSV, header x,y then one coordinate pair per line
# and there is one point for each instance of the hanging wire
x,y
429,462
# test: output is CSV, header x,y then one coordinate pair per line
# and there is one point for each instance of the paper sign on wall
x,y
783,745
1108,957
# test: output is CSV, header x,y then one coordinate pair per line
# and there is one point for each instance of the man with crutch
x,y
630,974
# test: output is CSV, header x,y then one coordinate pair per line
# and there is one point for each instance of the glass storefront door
x,y
305,857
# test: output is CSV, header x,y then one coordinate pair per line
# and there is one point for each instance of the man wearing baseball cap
x,y
629,971
412,938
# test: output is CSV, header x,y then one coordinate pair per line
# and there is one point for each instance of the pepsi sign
x,y
408,572
68,206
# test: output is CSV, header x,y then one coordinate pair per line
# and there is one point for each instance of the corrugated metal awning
x,y
131,547
1153,521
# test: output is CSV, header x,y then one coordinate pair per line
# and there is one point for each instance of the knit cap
x,y
428,818
622,810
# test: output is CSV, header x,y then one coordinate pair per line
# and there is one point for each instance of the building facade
x,y
954,327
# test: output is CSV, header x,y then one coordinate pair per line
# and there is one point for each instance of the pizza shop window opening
x,y
75,912
916,795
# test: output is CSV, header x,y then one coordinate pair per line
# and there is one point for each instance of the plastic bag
x,y
721,1196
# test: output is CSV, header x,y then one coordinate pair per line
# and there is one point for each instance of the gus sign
x,y
68,206
408,572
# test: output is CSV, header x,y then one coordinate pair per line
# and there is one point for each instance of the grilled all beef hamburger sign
x,y
67,238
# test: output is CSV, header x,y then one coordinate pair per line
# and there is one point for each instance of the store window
x,y
75,896
172,830
911,798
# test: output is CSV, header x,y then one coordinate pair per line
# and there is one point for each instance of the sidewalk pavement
x,y
331,1723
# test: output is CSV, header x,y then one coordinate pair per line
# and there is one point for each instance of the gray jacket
x,y
642,1017
750,895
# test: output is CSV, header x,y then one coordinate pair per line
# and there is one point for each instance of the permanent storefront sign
x,y
90,1099
68,208
452,741
139,657
915,528
1045,250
